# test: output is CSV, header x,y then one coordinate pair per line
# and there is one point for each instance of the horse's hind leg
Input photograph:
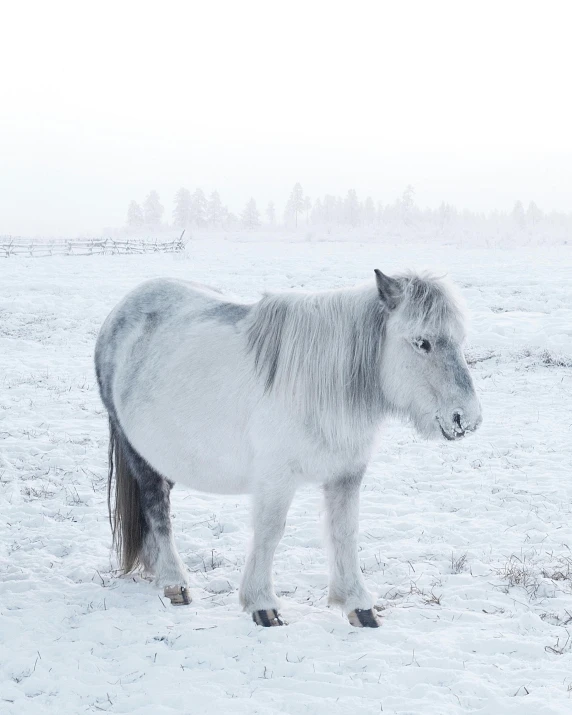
x,y
158,553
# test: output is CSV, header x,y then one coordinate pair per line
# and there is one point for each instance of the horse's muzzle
x,y
458,426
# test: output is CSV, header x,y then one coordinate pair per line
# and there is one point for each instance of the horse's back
x,y
164,297
143,309
155,318
170,359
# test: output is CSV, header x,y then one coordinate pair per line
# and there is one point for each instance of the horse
x,y
233,397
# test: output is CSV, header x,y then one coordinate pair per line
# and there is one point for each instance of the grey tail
x,y
124,503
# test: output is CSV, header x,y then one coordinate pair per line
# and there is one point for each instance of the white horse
x,y
259,398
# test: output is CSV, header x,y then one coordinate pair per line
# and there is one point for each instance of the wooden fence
x,y
13,246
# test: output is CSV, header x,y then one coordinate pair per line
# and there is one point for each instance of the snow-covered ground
x,y
467,545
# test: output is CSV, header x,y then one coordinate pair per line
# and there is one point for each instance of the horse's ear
x,y
388,289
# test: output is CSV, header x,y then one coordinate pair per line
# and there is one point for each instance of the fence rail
x,y
89,247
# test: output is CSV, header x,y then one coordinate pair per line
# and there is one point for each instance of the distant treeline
x,y
196,210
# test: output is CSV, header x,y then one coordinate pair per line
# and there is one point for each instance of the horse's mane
x,y
322,351
430,304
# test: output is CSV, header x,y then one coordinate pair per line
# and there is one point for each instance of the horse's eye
x,y
423,345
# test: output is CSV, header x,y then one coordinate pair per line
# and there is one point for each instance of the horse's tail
x,y
123,502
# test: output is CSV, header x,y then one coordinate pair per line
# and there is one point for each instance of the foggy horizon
x,y
99,110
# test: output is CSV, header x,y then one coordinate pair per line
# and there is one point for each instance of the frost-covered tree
x,y
517,214
153,209
295,205
182,210
135,216
533,214
368,211
351,208
443,215
317,215
230,219
329,208
339,214
271,213
225,213
407,204
250,217
198,214
307,207
215,210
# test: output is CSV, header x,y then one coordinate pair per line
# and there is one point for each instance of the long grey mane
x,y
326,342
322,352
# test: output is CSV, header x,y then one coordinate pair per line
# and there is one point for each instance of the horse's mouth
x,y
451,437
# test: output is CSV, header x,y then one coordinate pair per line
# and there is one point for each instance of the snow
x,y
467,545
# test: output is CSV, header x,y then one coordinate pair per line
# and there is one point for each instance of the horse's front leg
x,y
347,587
271,502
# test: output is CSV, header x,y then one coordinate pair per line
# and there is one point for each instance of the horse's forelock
x,y
430,304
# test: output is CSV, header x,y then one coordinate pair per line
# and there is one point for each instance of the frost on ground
x,y
468,545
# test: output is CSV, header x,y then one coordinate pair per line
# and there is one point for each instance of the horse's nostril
x,y
457,423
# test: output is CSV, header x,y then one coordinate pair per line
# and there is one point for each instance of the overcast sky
x,y
102,101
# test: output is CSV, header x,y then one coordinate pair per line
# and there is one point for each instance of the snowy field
x,y
467,545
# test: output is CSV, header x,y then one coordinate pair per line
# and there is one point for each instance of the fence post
x,y
11,246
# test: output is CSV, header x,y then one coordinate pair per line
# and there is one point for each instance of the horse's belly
x,y
208,460
214,473
213,478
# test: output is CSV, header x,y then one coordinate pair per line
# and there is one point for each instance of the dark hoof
x,y
268,619
364,618
178,595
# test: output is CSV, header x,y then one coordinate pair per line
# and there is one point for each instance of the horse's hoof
x,y
364,618
268,619
178,595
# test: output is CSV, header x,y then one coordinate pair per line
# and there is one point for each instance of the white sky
x,y
102,101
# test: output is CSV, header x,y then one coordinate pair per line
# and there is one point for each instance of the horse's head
x,y
424,372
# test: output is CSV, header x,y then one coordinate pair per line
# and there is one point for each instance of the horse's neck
x,y
327,364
